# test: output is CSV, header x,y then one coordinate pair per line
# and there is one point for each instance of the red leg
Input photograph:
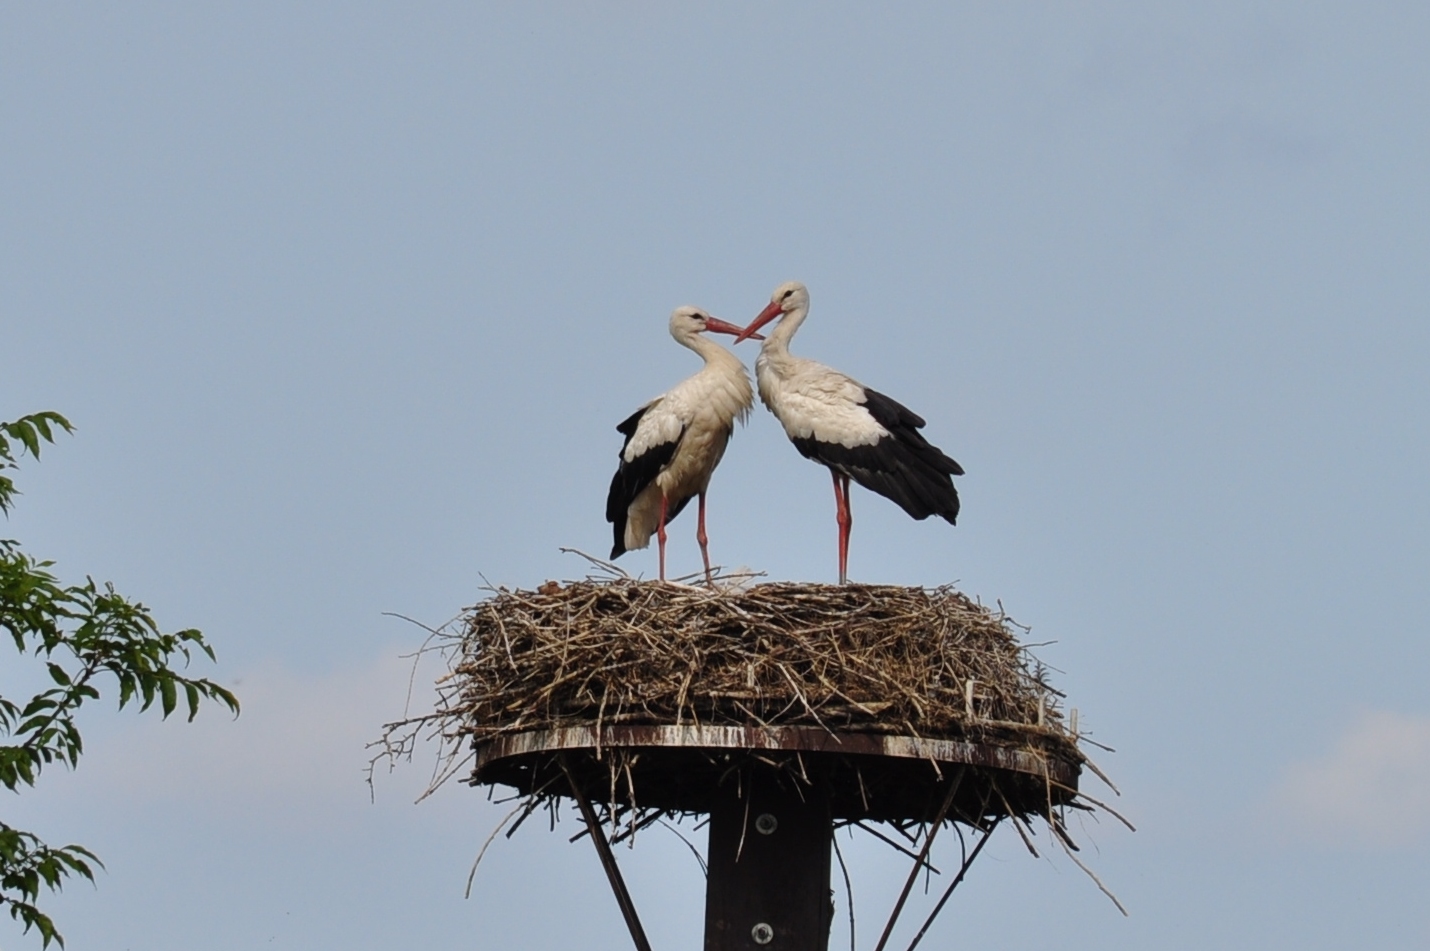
x,y
701,537
660,536
844,528
841,515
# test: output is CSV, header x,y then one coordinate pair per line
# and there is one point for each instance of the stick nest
x,y
876,658
881,659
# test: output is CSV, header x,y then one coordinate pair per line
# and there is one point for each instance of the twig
x,y
605,566
848,888
884,838
1093,766
473,873
704,869
1097,881
1099,804
1018,825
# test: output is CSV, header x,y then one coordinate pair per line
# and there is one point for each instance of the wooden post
x,y
768,884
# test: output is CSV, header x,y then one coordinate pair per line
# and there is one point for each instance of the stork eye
x,y
787,294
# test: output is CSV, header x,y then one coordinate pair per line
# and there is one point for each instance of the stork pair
x,y
675,441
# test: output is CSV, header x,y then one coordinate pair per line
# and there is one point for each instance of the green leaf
x,y
25,432
90,639
169,695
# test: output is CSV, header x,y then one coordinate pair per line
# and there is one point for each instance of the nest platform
x,y
889,703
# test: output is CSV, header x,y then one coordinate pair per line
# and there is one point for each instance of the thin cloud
x,y
1372,787
300,739
1237,141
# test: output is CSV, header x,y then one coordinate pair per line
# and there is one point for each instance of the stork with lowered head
x,y
674,442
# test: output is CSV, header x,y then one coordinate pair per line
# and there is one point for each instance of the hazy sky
x,y
346,301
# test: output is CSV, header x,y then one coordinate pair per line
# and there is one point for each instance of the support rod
x,y
919,862
952,885
608,862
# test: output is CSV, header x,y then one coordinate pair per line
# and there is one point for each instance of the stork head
x,y
687,321
789,297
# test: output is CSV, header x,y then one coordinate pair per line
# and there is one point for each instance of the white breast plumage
x,y
813,401
675,441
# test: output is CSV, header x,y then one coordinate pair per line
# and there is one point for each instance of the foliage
x,y
85,635
27,431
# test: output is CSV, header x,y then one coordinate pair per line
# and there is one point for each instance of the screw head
x,y
762,933
766,824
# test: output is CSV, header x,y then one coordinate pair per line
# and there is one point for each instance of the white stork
x,y
857,432
674,442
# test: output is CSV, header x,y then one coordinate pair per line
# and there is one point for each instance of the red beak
x,y
719,326
766,315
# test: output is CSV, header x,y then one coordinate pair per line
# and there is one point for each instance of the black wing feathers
x,y
628,428
905,424
632,477
903,466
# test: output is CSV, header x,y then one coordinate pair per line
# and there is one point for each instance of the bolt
x,y
762,933
766,824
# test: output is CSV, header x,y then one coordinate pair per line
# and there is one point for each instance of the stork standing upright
x,y
857,432
674,442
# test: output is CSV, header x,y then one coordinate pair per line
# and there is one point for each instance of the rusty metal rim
x,y
792,738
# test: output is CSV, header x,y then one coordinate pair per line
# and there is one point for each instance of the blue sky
x,y
346,302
